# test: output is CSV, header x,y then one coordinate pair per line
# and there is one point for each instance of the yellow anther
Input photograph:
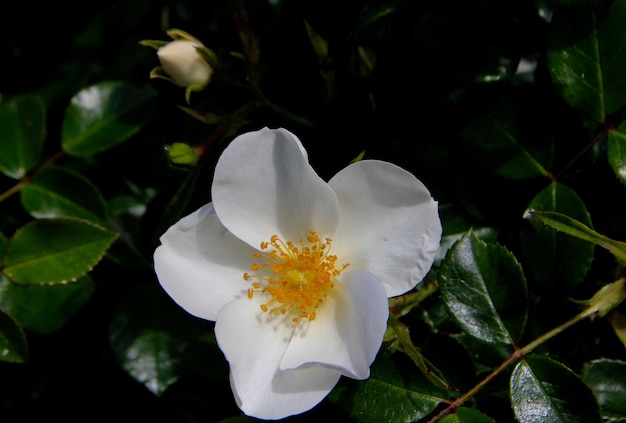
x,y
296,276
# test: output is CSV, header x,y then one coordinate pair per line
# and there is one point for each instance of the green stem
x,y
402,304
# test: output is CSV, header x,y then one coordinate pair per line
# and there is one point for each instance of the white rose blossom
x,y
295,271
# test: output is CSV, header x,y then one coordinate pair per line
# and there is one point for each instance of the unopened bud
x,y
183,64
185,61
182,154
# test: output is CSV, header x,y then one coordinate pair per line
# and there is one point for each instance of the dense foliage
x,y
513,113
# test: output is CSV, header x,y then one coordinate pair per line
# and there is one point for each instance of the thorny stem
x,y
518,354
606,128
251,53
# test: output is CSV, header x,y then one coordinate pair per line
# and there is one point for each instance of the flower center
x,y
296,276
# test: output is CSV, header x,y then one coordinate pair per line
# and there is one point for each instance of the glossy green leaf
x,y
22,132
13,345
104,115
586,58
607,380
616,153
58,192
455,225
388,395
53,251
44,308
466,415
556,261
546,391
511,138
484,289
149,334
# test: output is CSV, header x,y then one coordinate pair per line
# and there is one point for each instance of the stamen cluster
x,y
296,276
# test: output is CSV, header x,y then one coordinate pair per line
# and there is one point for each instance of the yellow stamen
x,y
297,276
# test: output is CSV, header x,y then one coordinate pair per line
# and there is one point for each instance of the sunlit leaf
x,y
546,391
58,192
52,251
586,58
104,115
484,288
149,334
388,395
13,346
616,153
22,132
607,380
511,138
575,228
554,260
45,308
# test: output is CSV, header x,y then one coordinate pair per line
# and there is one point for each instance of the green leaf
x,y
58,192
544,390
125,213
607,298
586,58
484,289
466,415
616,153
13,346
44,308
53,251
561,262
22,132
149,334
511,138
607,380
104,115
388,395
577,229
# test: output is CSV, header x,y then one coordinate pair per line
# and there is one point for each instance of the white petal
x,y
388,223
264,185
254,344
200,264
348,329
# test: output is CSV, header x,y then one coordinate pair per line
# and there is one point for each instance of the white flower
x,y
295,271
182,63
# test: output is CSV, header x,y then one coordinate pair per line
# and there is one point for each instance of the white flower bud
x,y
183,64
